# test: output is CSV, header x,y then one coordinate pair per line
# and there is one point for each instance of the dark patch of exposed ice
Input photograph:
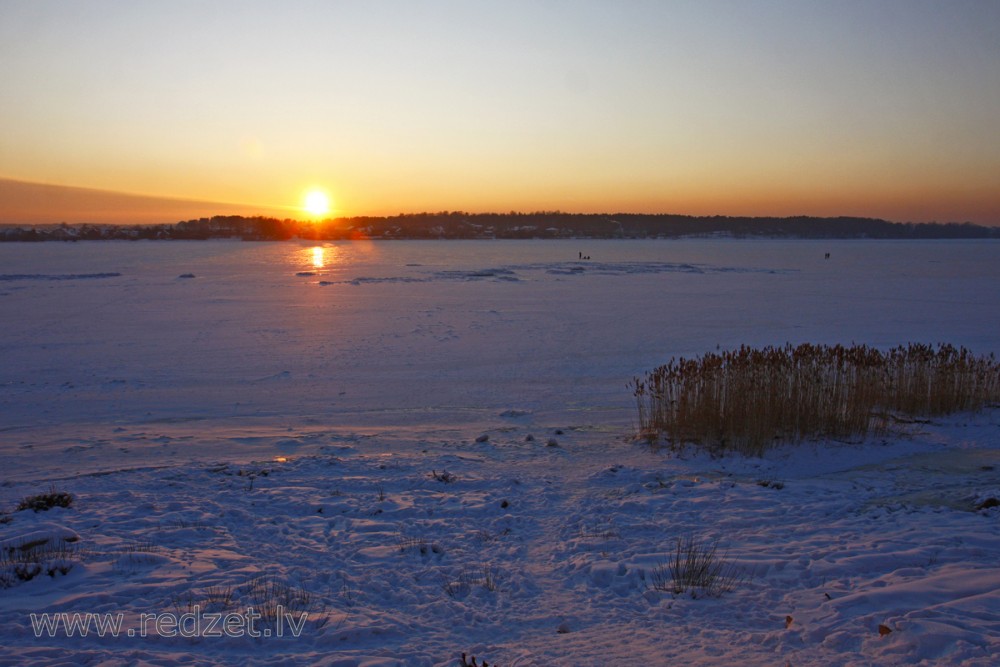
x,y
7,277
478,274
283,375
391,279
514,272
638,268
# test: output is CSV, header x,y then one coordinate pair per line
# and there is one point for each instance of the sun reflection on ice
x,y
318,257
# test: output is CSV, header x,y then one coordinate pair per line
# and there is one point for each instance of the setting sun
x,y
317,203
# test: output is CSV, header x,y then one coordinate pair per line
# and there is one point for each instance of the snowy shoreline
x,y
529,553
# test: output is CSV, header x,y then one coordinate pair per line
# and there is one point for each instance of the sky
x,y
881,108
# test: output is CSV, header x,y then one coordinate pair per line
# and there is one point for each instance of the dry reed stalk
x,y
749,399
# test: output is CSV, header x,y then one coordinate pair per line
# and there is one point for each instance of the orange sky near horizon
x,y
877,108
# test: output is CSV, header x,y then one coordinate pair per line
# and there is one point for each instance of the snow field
x,y
530,555
273,431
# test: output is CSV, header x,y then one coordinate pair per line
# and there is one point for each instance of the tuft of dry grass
x,y
486,577
270,597
25,562
43,502
696,567
750,399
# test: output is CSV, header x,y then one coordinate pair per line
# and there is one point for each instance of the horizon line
x,y
268,210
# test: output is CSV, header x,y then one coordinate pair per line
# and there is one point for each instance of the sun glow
x,y
316,203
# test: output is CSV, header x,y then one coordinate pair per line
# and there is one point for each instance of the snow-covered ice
x,y
426,447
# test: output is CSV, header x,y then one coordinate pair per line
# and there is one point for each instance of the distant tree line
x,y
541,224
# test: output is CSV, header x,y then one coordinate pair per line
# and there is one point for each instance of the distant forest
x,y
539,225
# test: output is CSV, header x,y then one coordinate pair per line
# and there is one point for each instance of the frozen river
x,y
112,350
369,424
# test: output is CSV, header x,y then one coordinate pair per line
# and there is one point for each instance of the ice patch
x,y
640,268
368,280
521,272
514,413
10,277
508,274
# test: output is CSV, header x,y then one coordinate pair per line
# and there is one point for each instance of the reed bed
x,y
749,400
